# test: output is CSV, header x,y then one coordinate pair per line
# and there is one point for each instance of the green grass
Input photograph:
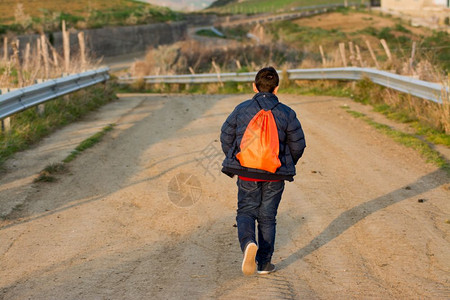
x,y
88,143
208,33
408,140
303,35
28,127
49,172
400,115
413,111
262,6
47,175
41,15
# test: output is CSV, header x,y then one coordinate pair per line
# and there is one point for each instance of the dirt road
x,y
146,214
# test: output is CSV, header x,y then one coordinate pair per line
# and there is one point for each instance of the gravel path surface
x,y
146,214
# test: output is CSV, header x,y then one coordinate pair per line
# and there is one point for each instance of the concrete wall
x,y
114,41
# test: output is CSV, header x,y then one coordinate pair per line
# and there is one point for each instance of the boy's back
x,y
290,134
259,191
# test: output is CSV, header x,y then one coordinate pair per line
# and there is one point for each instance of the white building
x,y
430,13
414,4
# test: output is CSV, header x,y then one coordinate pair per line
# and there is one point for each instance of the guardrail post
x,y
6,124
40,109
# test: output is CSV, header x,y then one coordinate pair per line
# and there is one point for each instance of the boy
x,y
259,191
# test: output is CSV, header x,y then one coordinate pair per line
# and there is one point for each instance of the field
x,y
261,6
39,15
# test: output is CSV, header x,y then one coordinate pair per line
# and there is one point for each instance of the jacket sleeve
x,y
295,137
228,132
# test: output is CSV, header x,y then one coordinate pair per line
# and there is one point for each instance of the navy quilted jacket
x,y
290,134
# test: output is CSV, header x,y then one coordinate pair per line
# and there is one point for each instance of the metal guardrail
x,y
24,98
419,88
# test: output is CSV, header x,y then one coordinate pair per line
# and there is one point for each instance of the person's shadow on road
x,y
352,216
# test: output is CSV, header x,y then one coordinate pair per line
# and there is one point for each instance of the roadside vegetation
x,y
40,16
406,139
88,143
49,173
30,126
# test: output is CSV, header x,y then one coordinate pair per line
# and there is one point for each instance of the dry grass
x,y
30,68
354,21
192,56
404,107
36,8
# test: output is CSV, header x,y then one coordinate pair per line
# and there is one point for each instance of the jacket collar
x,y
266,100
265,95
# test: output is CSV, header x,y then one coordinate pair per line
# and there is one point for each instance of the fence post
x,y
411,60
5,48
386,49
66,46
352,53
39,53
372,54
358,56
238,64
82,49
15,46
55,58
45,55
217,69
322,54
342,50
26,59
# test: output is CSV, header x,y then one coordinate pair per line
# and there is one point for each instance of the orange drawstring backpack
x,y
260,145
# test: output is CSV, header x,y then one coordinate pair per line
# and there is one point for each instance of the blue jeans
x,y
258,201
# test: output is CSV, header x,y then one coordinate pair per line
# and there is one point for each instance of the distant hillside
x,y
260,6
220,3
182,5
27,16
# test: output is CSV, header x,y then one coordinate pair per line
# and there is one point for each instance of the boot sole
x,y
267,272
249,263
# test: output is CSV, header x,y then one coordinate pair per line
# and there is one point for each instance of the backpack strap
x,y
275,105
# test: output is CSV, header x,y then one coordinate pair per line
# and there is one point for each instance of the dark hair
x,y
267,80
